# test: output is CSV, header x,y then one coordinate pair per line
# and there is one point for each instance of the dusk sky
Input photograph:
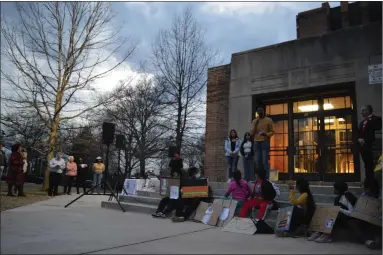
x,y
230,27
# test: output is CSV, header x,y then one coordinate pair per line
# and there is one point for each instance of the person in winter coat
x,y
98,170
3,160
176,165
247,151
57,166
232,147
262,196
238,188
262,129
15,175
81,175
71,173
25,168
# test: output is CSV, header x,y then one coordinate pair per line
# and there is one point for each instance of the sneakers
x,y
159,215
324,238
372,244
178,219
314,236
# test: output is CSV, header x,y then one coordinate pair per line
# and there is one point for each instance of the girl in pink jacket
x,y
238,188
71,173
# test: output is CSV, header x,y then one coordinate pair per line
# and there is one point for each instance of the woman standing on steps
x,y
247,151
232,147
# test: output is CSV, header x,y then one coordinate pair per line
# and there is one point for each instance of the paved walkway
x,y
85,227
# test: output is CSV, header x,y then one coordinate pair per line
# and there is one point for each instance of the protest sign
x,y
241,226
284,218
368,209
208,213
228,211
324,218
166,184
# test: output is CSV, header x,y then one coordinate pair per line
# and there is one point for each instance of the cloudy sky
x,y
230,27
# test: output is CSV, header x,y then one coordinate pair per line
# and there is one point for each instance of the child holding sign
x,y
346,201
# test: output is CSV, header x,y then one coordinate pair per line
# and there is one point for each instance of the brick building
x,y
312,87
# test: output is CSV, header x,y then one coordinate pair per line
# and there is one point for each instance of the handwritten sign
x,y
368,209
284,218
324,218
174,192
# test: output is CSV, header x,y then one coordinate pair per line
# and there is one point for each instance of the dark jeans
x,y
69,182
232,163
167,205
261,155
368,159
80,182
54,181
297,219
248,166
191,205
363,231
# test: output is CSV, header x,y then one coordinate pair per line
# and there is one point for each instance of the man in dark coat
x,y
366,137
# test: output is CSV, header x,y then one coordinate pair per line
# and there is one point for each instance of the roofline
x,y
302,39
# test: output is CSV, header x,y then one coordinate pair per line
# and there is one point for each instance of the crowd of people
x,y
68,172
255,149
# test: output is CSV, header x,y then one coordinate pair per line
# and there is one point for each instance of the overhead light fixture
x,y
332,120
314,107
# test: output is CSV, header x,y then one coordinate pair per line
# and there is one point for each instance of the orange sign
x,y
195,191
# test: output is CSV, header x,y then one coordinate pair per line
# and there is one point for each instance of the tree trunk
x,y
53,137
51,151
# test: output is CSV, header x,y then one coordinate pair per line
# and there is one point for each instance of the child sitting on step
x,y
262,196
346,201
238,188
304,208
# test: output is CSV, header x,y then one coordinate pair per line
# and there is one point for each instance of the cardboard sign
x,y
166,183
324,218
284,218
368,209
195,188
208,213
228,211
241,226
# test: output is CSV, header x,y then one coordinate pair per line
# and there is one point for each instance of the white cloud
x,y
246,8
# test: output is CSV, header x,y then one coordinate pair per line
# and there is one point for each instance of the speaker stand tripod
x,y
104,182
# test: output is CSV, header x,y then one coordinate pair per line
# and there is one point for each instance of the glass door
x,y
306,150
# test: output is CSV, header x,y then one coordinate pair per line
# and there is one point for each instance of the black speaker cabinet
x,y
120,142
108,132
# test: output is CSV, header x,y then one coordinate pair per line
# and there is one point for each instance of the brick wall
x,y
313,22
217,119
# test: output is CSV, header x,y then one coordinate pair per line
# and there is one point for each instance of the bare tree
x,y
53,52
139,113
26,128
181,58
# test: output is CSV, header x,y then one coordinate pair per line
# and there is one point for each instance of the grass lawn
x,y
33,192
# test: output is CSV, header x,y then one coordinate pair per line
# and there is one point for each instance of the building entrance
x,y
315,136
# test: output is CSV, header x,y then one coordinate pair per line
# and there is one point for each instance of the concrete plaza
x,y
86,228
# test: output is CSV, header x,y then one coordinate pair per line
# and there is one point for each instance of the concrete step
x,y
224,185
130,207
271,216
326,190
319,198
